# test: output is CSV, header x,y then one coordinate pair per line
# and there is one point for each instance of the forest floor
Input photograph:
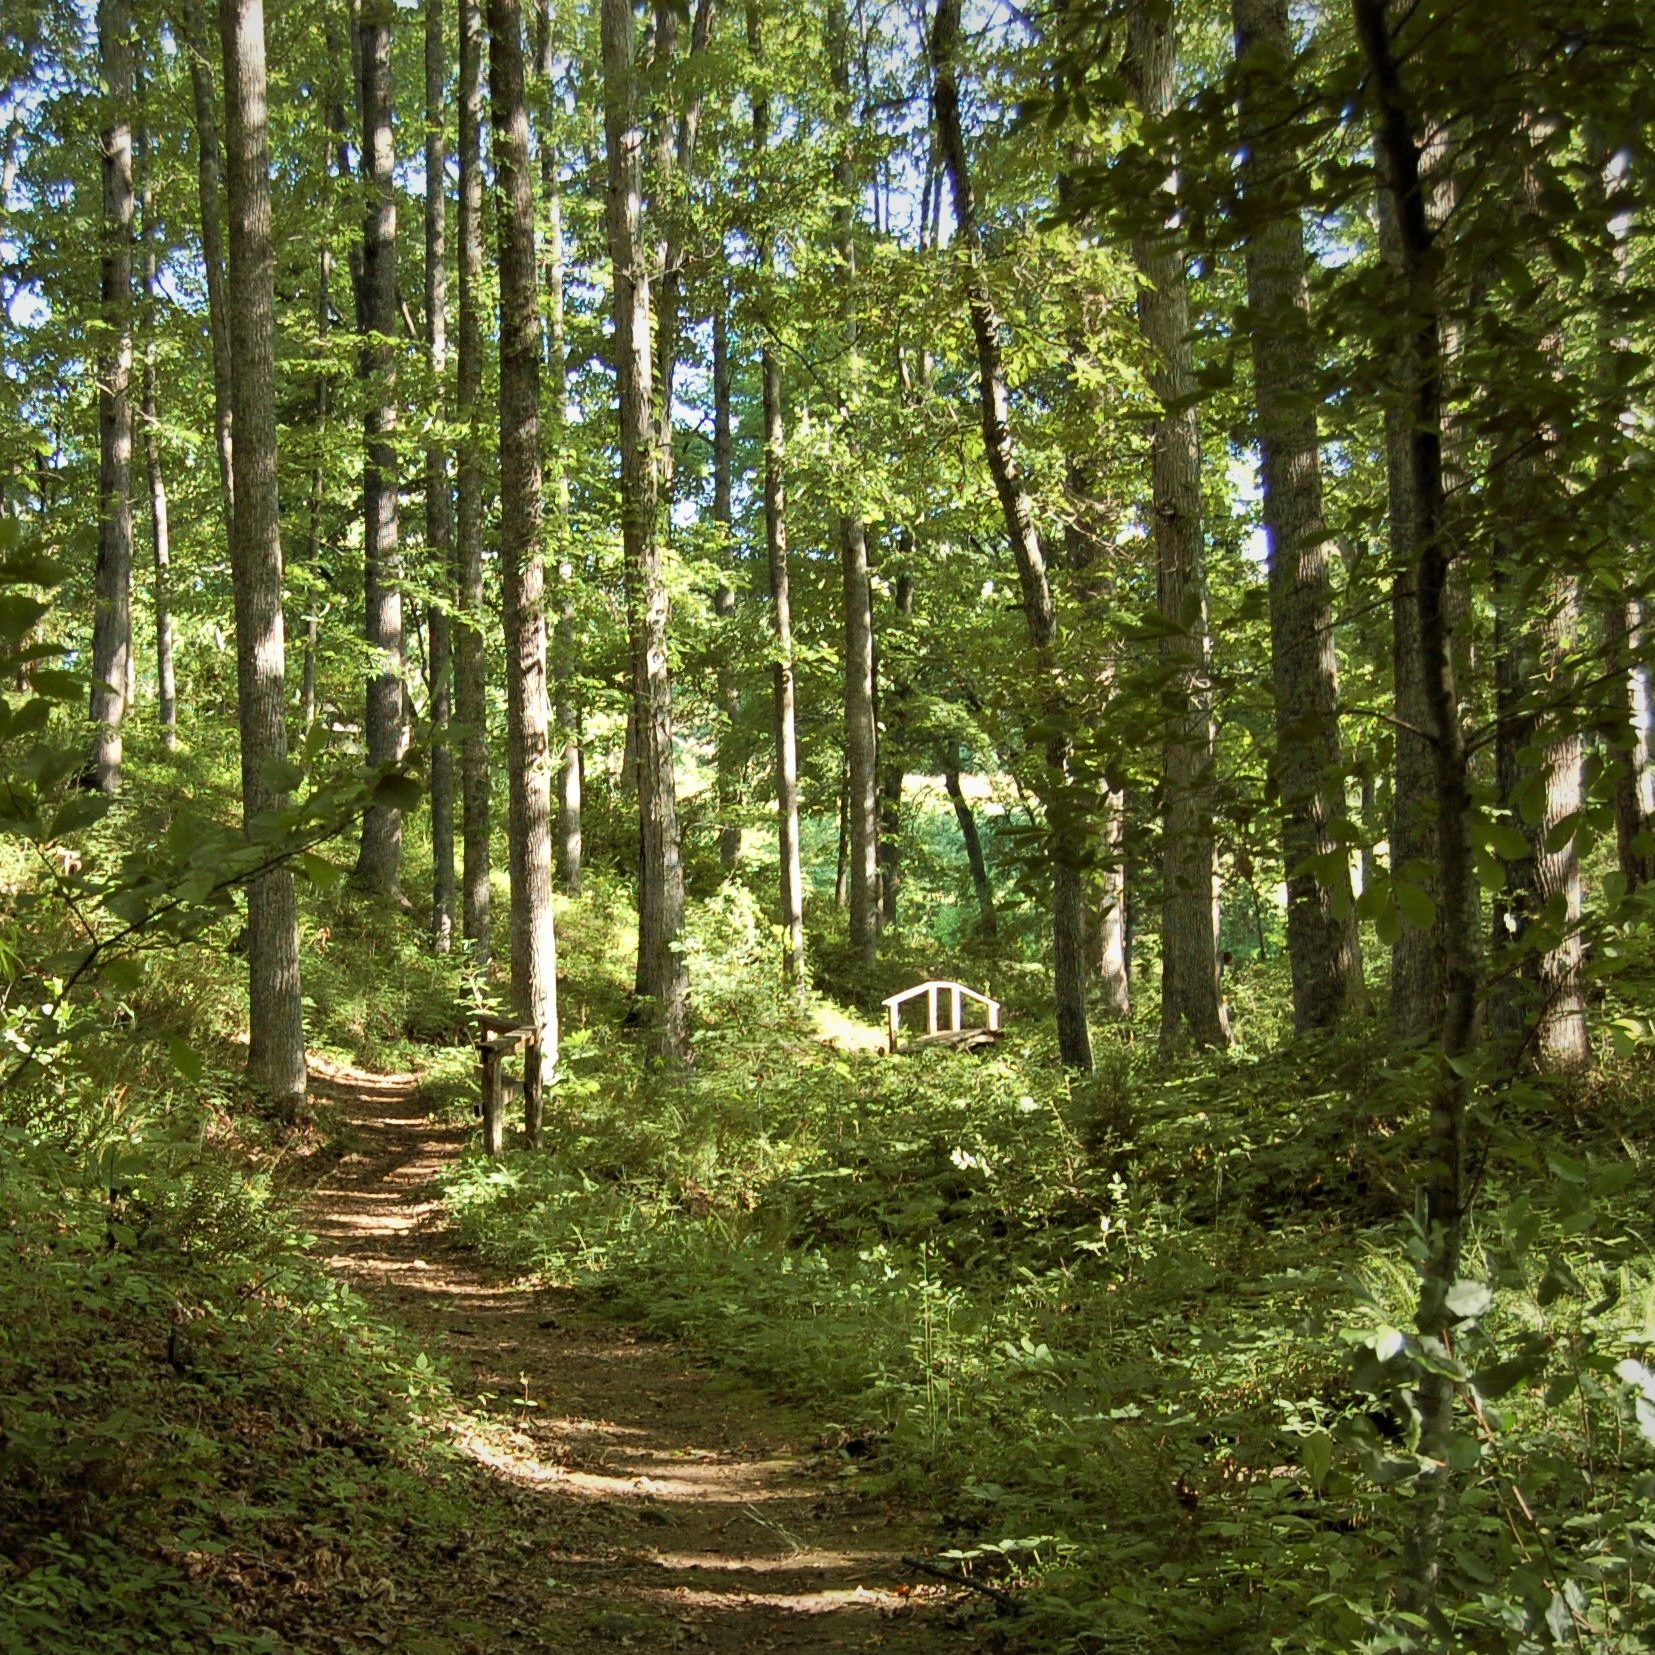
x,y
657,1503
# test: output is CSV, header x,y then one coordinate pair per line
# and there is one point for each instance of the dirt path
x,y
670,1509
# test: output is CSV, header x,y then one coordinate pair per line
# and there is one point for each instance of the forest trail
x,y
670,1509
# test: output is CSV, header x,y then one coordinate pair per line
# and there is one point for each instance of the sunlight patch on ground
x,y
835,1028
828,1601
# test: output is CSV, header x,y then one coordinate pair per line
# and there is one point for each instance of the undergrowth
x,y
1128,1337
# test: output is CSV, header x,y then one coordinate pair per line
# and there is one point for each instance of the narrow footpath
x,y
667,1507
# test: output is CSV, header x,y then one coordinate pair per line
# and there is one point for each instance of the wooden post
x,y
931,1008
891,1020
533,1101
994,1015
954,1007
494,1121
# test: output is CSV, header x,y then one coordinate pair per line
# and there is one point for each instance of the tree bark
x,y
528,714
861,725
785,695
470,660
893,752
1191,1000
276,1040
439,498
1625,641
1416,954
1308,766
1068,898
570,833
987,921
112,589
728,689
205,102
1415,305
166,681
379,864
662,971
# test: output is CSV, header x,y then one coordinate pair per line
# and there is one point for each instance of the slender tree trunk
x,y
1190,995
1416,954
567,712
785,693
1445,1194
166,682
661,964
893,751
439,499
1322,944
987,921
861,725
1625,641
112,590
528,728
318,497
276,1038
379,865
1068,898
724,598
205,100
470,660
1084,551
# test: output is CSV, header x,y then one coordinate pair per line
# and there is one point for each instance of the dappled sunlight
x,y
835,1027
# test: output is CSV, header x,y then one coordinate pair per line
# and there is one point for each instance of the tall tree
x,y
1308,763
724,596
1415,308
379,864
160,523
204,101
861,725
112,611
528,713
1074,1039
662,975
470,658
785,688
1190,997
570,778
276,1044
439,498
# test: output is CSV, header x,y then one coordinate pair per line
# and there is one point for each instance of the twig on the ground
x,y
955,1578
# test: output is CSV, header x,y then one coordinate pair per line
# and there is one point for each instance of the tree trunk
x,y
470,660
894,753
728,791
1446,1198
661,964
318,497
379,864
112,590
276,1038
166,682
528,714
791,867
570,848
205,100
987,922
1308,764
1625,640
1191,1000
861,725
1416,954
1068,946
439,499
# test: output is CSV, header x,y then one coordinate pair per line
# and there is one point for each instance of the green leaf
x,y
185,1058
1494,1381
1415,905
398,791
77,813
122,972
281,775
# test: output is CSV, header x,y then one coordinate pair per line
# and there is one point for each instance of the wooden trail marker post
x,y
956,1033
500,1038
